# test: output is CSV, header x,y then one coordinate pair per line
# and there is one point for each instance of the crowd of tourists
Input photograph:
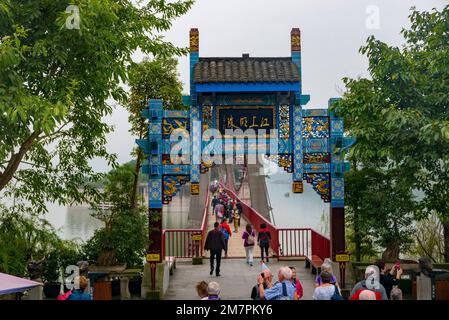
x,y
228,211
379,283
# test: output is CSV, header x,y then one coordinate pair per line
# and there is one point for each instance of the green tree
x,y
25,237
429,239
400,115
151,79
57,84
381,212
125,235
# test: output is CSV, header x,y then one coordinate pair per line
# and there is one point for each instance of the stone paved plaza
x,y
236,280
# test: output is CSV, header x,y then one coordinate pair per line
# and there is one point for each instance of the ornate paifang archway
x,y
247,93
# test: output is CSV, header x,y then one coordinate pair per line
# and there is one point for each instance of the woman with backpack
x,y
249,240
327,290
264,238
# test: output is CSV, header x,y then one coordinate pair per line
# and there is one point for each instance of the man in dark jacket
x,y
391,278
215,243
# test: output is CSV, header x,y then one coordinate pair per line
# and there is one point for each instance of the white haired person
x,y
327,267
281,290
213,290
371,282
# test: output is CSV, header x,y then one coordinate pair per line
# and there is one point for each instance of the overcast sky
x,y
332,32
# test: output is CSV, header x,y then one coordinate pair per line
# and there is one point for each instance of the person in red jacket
x,y
264,238
226,229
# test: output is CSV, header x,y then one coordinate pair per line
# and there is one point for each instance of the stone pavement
x,y
236,280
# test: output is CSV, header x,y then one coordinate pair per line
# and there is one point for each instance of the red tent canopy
x,y
11,284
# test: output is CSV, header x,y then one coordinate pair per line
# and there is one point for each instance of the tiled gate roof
x,y
245,69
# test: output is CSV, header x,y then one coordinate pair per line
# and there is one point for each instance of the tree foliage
x,y
55,84
400,115
124,238
429,239
381,212
25,237
151,79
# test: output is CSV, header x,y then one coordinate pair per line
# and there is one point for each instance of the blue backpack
x,y
336,295
225,233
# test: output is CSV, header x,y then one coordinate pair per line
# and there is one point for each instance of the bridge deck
x,y
237,278
235,242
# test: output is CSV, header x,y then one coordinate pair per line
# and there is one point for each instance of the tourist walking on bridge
x,y
264,238
227,233
236,219
238,205
215,243
249,237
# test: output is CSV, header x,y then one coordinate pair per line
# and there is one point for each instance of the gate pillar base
x,y
162,273
337,231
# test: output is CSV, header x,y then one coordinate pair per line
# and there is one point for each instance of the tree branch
x,y
33,164
16,158
425,251
53,134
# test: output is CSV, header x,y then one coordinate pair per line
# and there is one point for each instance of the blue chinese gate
x,y
253,95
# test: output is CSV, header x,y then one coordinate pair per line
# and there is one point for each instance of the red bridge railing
x,y
288,242
186,243
285,242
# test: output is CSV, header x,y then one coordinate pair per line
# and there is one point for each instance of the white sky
x,y
332,31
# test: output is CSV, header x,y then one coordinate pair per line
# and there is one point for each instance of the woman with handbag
x,y
249,240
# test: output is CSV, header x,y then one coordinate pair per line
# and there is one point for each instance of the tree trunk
x,y
136,179
391,252
445,223
15,160
133,203
357,238
108,258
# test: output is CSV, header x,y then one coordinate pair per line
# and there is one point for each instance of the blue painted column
x,y
195,117
337,210
298,171
155,154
